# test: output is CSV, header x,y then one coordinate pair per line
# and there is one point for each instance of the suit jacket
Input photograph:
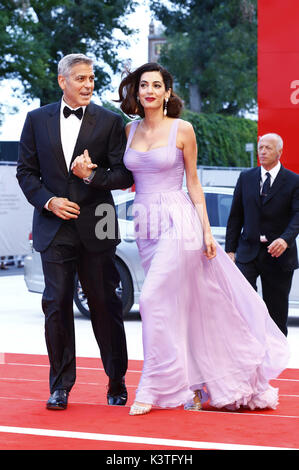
x,y
277,217
42,171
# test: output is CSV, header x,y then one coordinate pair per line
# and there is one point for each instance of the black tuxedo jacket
x,y
42,171
277,217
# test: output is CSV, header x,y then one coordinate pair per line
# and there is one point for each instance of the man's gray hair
x,y
272,135
67,62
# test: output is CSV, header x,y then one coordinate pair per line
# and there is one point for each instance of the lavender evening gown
x,y
204,326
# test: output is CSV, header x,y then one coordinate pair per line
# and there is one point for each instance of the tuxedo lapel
x,y
53,124
278,182
88,123
257,185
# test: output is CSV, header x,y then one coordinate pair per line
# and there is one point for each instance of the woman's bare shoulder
x,y
185,130
185,126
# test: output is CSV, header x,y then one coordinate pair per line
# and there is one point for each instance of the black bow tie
x,y
67,112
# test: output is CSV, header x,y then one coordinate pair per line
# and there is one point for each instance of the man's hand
x,y
64,208
82,166
277,247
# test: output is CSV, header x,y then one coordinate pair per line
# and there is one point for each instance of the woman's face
x,y
152,92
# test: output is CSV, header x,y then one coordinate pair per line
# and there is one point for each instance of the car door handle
x,y
129,238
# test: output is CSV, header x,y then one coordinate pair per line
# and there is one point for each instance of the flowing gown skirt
x,y
204,326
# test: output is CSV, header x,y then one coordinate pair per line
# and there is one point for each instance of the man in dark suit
x,y
263,225
65,222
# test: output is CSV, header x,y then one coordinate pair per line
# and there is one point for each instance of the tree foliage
x,y
221,139
212,52
35,34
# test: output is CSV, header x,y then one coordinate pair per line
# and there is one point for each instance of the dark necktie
x,y
67,112
266,186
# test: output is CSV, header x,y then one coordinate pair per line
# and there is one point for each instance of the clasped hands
x,y
82,167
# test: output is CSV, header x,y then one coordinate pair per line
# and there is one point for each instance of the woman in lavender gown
x,y
207,334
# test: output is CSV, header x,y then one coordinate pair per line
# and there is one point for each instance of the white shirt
x,y
69,131
273,173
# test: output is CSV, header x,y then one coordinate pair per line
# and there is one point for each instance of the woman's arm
x,y
187,141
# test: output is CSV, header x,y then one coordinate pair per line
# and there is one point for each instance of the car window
x,y
212,208
224,205
218,207
124,210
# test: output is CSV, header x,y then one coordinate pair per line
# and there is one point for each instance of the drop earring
x,y
165,107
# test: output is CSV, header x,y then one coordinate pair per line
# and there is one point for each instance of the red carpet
x,y
89,423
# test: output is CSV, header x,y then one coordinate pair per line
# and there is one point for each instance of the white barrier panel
x,y
15,214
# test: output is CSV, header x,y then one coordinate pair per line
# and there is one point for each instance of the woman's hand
x,y
210,251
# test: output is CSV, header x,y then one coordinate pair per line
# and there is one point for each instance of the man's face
x,y
78,85
268,152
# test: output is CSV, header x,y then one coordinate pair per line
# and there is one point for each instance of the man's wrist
x,y
89,178
46,206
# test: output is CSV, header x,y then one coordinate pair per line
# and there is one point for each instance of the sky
x,y
138,53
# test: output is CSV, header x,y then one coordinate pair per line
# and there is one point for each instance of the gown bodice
x,y
160,169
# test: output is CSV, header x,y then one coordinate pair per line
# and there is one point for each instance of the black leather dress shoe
x,y
117,393
58,400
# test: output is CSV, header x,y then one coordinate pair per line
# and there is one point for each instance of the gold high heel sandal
x,y
196,404
140,409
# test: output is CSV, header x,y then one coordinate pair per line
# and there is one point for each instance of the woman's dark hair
x,y
129,86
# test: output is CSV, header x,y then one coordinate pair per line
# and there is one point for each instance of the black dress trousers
x,y
276,284
99,278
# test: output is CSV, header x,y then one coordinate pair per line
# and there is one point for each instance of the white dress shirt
x,y
273,173
69,131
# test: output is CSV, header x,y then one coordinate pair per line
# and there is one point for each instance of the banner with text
x,y
278,74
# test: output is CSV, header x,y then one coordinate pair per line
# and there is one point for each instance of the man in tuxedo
x,y
263,225
67,204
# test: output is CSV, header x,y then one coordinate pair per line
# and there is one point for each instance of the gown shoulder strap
x,y
133,128
173,134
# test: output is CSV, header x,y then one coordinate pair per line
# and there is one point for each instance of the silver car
x,y
218,200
